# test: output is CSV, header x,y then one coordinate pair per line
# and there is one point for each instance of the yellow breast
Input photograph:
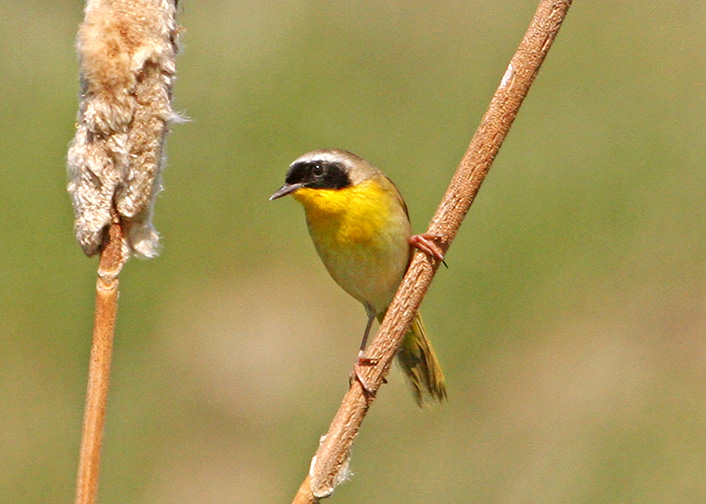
x,y
362,235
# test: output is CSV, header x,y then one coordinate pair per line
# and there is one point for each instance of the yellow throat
x,y
362,234
354,215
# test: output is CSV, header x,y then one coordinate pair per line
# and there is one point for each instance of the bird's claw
x,y
363,360
429,244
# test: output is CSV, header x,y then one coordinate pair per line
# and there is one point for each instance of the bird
x,y
360,227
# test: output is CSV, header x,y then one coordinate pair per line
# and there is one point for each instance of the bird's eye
x,y
317,170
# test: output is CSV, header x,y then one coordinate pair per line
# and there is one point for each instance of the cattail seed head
x,y
127,51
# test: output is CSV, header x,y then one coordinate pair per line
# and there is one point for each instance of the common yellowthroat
x,y
360,227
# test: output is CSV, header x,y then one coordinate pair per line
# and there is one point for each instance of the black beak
x,y
285,189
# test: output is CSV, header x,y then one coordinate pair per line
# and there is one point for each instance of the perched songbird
x,y
360,228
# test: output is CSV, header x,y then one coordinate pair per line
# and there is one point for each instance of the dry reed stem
x,y
329,467
127,51
111,261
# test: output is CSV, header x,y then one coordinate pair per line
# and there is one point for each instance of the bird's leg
x,y
429,244
363,360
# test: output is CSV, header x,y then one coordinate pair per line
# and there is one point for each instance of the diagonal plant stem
x,y
329,467
111,261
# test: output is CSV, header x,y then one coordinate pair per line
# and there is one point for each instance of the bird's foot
x,y
429,244
362,361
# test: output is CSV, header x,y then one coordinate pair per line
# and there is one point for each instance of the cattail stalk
x,y
329,467
127,51
111,262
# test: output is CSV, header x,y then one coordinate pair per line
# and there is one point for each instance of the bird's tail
x,y
418,361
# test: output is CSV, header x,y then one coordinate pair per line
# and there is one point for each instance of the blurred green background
x,y
570,322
